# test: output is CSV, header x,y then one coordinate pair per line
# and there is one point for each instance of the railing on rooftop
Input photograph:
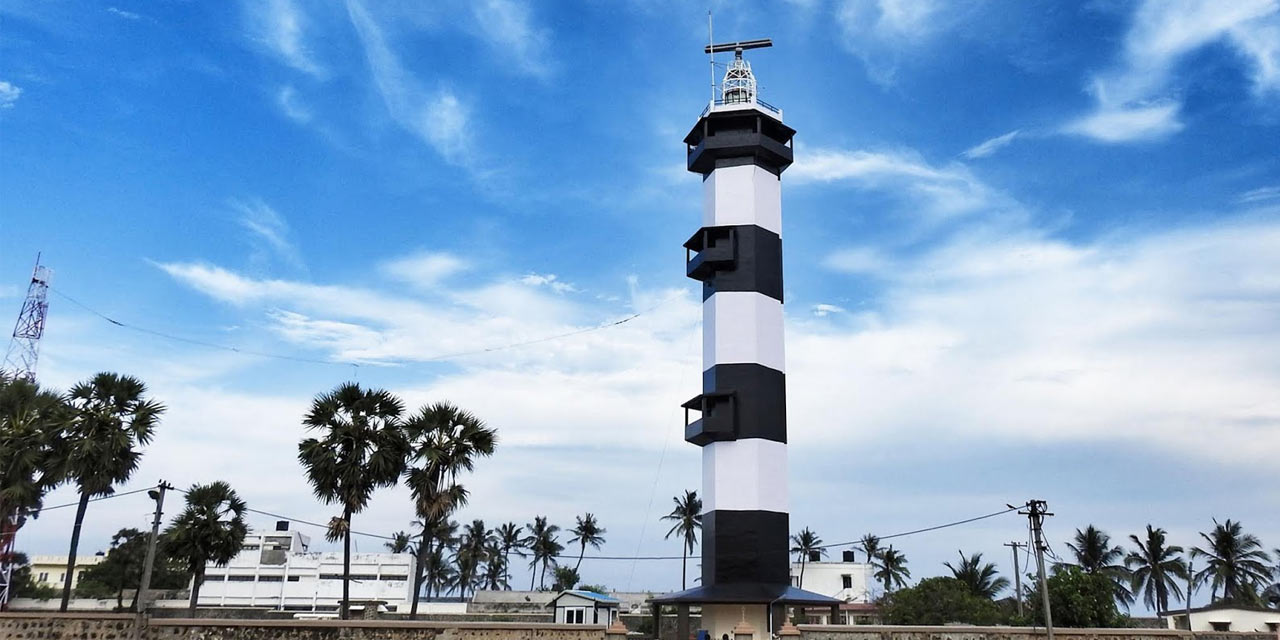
x,y
757,101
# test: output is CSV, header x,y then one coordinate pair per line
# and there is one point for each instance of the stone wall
x,y
860,632
83,626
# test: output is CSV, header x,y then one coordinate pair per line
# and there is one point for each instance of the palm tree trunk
x,y
346,565
802,559
533,574
71,554
684,568
196,581
581,552
417,573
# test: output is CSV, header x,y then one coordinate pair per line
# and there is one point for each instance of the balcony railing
x,y
757,101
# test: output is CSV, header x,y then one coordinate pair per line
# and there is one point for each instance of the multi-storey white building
x,y
276,570
847,581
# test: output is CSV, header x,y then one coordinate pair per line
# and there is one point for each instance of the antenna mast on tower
x,y
24,347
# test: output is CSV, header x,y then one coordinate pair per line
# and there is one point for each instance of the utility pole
x,y
1036,513
1191,573
156,494
1017,575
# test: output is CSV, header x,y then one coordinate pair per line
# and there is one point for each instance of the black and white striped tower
x,y
741,147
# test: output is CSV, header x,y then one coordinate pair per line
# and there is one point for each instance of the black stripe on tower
x,y
734,138
736,258
739,401
745,546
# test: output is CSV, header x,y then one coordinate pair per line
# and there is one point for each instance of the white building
x,y
848,580
51,571
585,607
276,570
1226,618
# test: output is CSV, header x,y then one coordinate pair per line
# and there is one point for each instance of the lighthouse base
x,y
724,605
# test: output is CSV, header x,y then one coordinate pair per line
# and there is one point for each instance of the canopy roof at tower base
x,y
746,593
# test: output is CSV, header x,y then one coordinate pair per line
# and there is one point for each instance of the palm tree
x,y
805,544
111,420
444,441
510,539
891,569
1272,593
495,576
871,547
543,546
980,578
401,542
687,516
32,424
1158,570
587,532
210,530
1235,560
1095,554
470,557
361,448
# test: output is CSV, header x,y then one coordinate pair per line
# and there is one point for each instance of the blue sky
x,y
1031,249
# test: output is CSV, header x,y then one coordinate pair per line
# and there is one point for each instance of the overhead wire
x,y
434,358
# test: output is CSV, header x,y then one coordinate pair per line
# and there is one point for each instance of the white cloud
x,y
1138,100
127,15
857,260
424,269
989,147
942,192
9,94
823,310
882,32
437,117
1260,194
279,25
549,280
509,28
291,106
268,230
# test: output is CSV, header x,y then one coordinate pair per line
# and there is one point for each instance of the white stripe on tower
x,y
745,194
742,327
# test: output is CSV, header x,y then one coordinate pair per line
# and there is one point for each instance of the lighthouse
x,y
741,147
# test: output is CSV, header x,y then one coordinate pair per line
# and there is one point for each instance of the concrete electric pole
x,y
1036,513
1017,575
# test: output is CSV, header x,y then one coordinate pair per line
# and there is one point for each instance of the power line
x,y
435,358
924,530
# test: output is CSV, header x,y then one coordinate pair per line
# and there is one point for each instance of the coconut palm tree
x,y
544,546
495,575
210,530
1094,553
805,544
111,420
401,542
587,532
361,448
982,579
1235,560
871,547
32,425
510,539
687,516
471,554
1158,570
891,569
444,441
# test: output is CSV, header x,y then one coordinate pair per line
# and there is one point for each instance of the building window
x,y
1273,626
249,547
269,579
401,578
575,615
294,578
1220,626
846,581
44,576
239,578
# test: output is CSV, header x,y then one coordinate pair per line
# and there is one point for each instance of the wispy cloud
x,y
269,232
549,280
942,191
509,28
278,25
823,310
1137,100
437,117
988,147
121,13
289,103
1260,194
883,32
9,94
424,269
